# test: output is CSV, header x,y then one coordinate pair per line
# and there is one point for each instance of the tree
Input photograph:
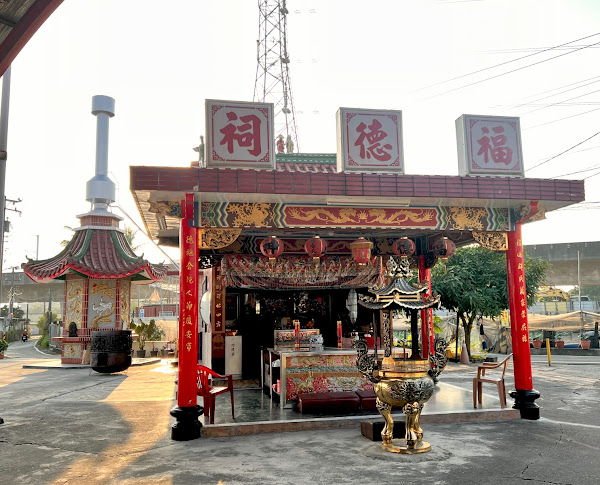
x,y
474,284
592,291
17,312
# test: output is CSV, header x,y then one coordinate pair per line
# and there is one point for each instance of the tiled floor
x,y
452,400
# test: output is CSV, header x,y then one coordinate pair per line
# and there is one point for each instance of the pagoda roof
x,y
95,252
398,285
399,300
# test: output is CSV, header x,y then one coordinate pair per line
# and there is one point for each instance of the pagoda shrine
x,y
98,265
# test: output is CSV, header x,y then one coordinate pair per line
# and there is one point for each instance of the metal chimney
x,y
100,190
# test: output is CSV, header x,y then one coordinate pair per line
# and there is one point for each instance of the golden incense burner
x,y
406,383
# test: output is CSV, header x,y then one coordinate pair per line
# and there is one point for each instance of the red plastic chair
x,y
209,392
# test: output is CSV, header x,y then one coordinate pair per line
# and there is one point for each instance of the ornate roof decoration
x,y
95,252
398,291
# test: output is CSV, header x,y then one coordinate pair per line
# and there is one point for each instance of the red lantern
x,y
271,248
361,250
315,248
404,247
444,248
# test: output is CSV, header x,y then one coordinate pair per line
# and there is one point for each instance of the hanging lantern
x,y
404,247
352,305
444,248
315,248
361,250
271,248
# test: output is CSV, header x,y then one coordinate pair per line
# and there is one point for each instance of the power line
x,y
556,94
574,173
561,153
510,72
555,104
562,119
502,64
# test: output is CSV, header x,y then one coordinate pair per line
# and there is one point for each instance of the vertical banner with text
x,y
188,315
517,298
218,311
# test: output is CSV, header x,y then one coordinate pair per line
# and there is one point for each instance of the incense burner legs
x,y
410,393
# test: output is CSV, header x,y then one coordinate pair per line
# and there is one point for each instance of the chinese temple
x,y
98,265
280,238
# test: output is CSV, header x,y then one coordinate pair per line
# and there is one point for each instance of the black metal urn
x,y
110,351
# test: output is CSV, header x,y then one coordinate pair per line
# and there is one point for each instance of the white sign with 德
x,y
489,145
239,135
369,140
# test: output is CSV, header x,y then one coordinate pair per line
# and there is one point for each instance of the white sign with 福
x,y
489,145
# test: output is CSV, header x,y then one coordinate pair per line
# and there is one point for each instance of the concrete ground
x,y
70,426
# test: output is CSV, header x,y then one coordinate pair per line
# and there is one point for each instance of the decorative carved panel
x,y
217,238
496,241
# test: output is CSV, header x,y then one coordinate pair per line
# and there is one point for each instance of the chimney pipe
x,y
100,190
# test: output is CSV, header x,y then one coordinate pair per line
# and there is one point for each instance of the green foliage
x,y
44,341
592,291
474,284
43,322
147,332
3,345
17,312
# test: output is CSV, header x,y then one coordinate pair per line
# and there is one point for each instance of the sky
x,y
434,60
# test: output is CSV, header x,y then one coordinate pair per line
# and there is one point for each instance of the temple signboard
x,y
489,145
239,135
369,141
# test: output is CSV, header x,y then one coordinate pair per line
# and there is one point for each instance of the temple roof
x,y
96,252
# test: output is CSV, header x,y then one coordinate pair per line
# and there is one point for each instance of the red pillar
x,y
524,394
187,411
426,315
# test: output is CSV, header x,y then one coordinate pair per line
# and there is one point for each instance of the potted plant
x,y
537,344
560,344
147,332
584,342
3,347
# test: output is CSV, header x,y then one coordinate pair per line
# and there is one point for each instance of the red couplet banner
x,y
517,296
188,314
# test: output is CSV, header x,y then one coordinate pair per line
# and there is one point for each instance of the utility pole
x,y
3,157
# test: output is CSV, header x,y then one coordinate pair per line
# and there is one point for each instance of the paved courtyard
x,y
73,426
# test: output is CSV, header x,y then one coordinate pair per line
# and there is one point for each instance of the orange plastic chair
x,y
497,379
209,392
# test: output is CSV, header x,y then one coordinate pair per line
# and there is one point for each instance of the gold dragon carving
x,y
496,241
104,289
249,214
124,297
217,238
368,216
467,217
75,302
103,317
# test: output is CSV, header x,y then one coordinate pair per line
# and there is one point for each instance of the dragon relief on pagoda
x,y
103,310
74,310
360,216
124,297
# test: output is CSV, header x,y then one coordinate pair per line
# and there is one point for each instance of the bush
x,y
44,341
3,345
12,335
